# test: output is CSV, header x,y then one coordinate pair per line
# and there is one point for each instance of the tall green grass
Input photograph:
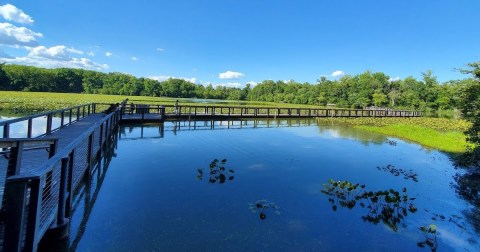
x,y
27,102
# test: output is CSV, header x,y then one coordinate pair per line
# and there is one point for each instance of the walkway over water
x,y
159,113
41,169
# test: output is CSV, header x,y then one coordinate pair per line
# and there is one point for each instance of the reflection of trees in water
x,y
468,187
362,136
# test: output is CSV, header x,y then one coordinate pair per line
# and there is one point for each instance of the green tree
x,y
470,104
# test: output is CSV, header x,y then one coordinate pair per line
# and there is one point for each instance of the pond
x,y
271,186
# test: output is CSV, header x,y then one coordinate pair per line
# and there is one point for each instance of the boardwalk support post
x,y
16,196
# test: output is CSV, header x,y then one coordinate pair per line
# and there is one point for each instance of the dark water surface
x,y
154,198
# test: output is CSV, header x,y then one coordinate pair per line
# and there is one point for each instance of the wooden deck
x,y
42,173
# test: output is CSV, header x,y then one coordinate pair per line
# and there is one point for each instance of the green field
x,y
27,102
439,133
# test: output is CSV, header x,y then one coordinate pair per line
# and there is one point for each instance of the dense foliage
x,y
470,106
357,91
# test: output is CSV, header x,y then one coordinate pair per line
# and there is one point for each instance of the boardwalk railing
x,y
43,198
46,122
238,111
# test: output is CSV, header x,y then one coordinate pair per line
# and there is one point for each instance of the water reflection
x,y
83,200
150,200
176,127
468,187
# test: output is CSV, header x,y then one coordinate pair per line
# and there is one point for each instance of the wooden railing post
x,y
78,113
69,200
33,218
162,112
6,130
29,128
49,124
15,160
62,195
15,202
53,148
62,119
90,152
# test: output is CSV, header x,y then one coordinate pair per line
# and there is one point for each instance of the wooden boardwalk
x,y
144,113
42,173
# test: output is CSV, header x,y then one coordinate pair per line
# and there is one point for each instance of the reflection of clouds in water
x,y
451,238
312,132
256,167
296,225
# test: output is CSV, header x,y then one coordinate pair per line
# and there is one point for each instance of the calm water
x,y
152,196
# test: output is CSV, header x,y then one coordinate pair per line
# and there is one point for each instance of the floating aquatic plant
x,y
407,174
263,206
430,232
388,206
218,173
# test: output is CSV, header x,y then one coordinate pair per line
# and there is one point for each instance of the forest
x,y
352,91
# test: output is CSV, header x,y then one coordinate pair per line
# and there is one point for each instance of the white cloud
x,y
54,52
231,75
160,49
394,79
17,36
54,57
164,78
229,84
252,83
134,58
12,13
91,54
108,54
338,73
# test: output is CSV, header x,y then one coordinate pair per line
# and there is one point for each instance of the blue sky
x,y
233,42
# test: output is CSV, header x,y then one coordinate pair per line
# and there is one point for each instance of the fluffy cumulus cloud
x,y
108,54
338,73
54,57
229,84
394,79
165,77
252,83
12,35
13,14
55,52
230,75
24,39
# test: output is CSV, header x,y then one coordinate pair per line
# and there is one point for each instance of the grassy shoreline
x,y
439,133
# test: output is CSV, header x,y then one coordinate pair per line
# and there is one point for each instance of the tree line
x,y
353,91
